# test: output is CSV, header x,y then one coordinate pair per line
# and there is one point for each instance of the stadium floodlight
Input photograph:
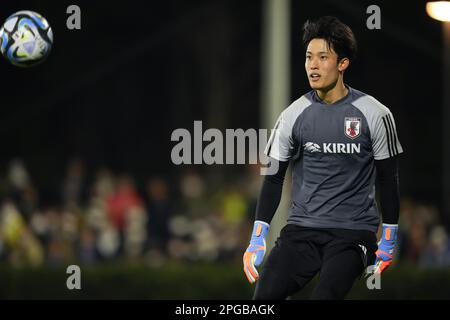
x,y
439,10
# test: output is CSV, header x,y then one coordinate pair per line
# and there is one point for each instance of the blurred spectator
x,y
415,222
18,175
135,235
437,252
74,184
233,207
124,198
19,242
415,241
159,209
21,189
194,200
12,224
61,241
103,184
87,247
108,242
40,225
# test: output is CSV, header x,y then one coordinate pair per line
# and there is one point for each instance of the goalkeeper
x,y
340,142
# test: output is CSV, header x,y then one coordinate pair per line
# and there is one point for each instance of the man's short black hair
x,y
338,36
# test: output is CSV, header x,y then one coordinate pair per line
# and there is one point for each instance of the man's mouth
x,y
314,76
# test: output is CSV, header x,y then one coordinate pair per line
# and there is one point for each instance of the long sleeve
x,y
388,189
270,195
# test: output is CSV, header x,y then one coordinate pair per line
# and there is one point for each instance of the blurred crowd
x,y
109,217
422,240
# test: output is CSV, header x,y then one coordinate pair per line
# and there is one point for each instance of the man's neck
x,y
333,94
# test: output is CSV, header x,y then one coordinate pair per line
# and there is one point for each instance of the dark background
x,y
113,92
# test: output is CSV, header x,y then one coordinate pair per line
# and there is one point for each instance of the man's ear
x,y
343,64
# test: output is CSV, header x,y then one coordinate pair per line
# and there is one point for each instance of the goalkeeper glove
x,y
254,254
386,247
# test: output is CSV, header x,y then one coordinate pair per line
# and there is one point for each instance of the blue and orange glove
x,y
255,252
386,247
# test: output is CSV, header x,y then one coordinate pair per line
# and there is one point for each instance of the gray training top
x,y
333,148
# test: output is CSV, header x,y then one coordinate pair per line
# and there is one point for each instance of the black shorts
x,y
339,256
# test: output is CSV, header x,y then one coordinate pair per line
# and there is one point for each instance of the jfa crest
x,y
352,127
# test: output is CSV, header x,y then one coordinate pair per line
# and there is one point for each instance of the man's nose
x,y
313,64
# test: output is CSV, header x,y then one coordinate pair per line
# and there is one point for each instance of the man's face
x,y
321,65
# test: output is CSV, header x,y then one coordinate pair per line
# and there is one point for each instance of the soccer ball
x,y
26,39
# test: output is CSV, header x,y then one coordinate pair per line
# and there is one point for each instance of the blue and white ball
x,y
26,39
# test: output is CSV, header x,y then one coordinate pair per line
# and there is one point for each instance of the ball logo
x,y
352,127
26,39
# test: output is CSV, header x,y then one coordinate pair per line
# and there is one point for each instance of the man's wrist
x,y
389,234
260,229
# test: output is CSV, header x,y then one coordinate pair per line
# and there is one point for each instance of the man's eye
x,y
308,57
323,57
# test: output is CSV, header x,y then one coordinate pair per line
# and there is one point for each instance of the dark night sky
x,y
113,92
